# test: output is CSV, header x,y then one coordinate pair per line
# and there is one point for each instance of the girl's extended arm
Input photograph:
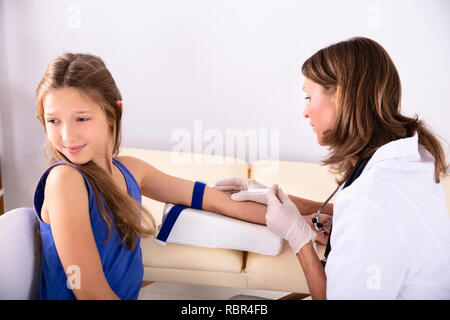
x,y
162,187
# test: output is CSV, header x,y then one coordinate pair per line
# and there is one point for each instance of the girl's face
x,y
76,127
320,108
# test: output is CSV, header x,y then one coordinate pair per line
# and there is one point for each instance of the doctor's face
x,y
320,108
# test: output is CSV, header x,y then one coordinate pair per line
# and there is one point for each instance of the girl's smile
x,y
74,150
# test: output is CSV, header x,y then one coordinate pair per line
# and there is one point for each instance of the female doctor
x,y
390,236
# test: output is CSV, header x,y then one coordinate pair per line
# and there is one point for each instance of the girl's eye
x,y
53,121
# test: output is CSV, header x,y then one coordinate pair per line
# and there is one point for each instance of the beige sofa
x,y
233,268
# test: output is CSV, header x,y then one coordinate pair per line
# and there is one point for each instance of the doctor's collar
x,y
401,148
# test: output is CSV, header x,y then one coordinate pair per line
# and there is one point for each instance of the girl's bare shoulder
x,y
63,177
64,184
134,165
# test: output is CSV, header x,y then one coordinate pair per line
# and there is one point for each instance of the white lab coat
x,y
391,230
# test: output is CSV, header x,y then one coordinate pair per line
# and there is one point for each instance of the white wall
x,y
228,64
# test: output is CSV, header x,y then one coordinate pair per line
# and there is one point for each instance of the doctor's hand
x,y
321,237
235,185
284,219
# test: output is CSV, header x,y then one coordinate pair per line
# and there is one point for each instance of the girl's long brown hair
x,y
89,76
368,91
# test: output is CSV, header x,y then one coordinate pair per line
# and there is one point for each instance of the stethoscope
x,y
320,227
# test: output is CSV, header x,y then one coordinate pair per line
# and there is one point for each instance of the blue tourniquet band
x,y
168,223
197,195
174,213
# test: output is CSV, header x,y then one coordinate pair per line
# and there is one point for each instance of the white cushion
x,y
208,229
19,268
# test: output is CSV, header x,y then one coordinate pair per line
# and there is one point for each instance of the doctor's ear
x,y
119,103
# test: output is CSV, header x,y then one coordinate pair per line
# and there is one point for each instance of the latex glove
x,y
284,219
235,185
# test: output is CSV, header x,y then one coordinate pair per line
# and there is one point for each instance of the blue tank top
x,y
123,269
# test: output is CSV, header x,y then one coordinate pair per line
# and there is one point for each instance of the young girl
x,y
88,202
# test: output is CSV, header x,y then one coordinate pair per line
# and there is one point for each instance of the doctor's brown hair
x,y
89,76
368,92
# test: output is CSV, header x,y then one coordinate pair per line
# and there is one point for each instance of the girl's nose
x,y
66,133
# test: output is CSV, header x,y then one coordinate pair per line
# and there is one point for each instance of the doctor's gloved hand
x,y
236,185
284,219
